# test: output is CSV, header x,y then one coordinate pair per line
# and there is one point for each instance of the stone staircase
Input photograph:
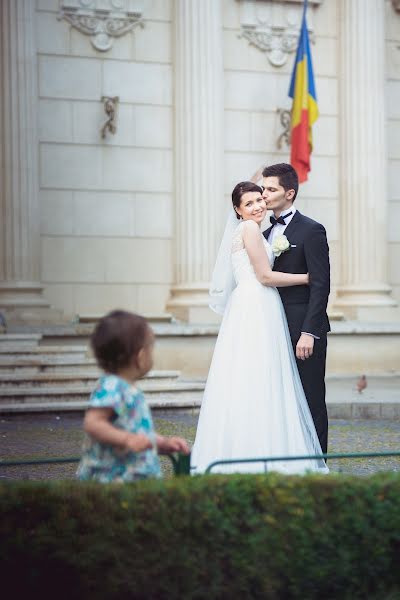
x,y
35,377
52,371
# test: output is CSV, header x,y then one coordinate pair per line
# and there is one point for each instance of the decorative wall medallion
x,y
102,20
274,26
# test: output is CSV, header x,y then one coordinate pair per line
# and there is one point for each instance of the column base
x,y
189,303
367,303
23,303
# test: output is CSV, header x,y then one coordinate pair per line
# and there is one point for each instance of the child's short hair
x,y
117,338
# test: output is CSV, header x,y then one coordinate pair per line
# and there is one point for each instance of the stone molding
x,y
91,18
274,27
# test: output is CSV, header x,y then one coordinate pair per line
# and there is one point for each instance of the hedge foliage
x,y
238,536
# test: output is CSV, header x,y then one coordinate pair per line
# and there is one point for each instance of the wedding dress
x,y
254,404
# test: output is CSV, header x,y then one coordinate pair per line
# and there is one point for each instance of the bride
x,y
254,404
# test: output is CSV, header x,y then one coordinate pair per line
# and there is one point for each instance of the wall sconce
x,y
285,117
110,108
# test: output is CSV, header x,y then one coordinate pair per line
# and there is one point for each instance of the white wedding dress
x,y
254,405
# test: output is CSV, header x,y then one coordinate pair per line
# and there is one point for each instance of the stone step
x,y
41,380
183,401
26,349
27,339
152,318
192,401
35,395
354,346
13,349
47,362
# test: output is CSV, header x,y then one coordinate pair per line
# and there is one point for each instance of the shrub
x,y
237,536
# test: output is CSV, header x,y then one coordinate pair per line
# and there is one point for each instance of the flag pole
x,y
304,103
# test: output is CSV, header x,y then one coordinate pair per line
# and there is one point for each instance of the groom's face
x,y
275,196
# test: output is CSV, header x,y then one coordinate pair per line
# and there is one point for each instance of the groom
x,y
305,306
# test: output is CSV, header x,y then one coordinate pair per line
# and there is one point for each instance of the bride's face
x,y
252,206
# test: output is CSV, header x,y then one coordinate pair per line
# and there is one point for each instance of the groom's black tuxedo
x,y
305,307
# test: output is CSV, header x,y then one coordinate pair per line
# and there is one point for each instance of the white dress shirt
x,y
279,229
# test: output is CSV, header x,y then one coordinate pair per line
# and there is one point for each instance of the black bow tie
x,y
280,219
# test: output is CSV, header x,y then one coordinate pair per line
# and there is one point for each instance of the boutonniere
x,y
280,244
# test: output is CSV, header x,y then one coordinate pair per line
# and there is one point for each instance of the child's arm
x,y
97,424
171,444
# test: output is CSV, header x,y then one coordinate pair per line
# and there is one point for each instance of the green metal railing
x,y
303,457
39,461
181,462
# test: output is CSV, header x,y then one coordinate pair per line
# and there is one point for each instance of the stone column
x,y
364,292
20,288
199,114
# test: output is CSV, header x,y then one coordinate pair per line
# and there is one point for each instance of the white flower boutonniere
x,y
280,244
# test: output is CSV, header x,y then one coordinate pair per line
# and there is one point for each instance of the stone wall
x,y
107,206
254,89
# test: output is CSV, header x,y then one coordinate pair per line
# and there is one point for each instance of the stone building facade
x,y
133,219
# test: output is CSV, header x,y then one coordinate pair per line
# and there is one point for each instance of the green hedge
x,y
228,537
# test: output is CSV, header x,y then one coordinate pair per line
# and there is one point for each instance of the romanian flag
x,y
304,108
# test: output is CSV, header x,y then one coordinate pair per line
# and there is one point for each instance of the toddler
x,y
122,444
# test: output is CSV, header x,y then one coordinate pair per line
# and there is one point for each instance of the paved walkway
x,y
379,400
51,435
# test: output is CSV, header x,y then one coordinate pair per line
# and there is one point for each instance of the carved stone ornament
x,y
110,108
285,117
273,26
102,20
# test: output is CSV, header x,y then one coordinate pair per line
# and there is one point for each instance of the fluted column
x,y
19,210
198,153
364,289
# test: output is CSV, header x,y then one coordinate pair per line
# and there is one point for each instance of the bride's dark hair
x,y
240,189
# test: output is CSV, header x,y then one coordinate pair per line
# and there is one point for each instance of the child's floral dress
x,y
106,463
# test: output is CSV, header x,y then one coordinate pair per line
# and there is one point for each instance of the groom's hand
x,y
305,346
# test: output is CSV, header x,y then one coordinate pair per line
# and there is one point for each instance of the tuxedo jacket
x,y
305,305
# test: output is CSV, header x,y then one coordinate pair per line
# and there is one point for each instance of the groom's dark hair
x,y
286,175
242,188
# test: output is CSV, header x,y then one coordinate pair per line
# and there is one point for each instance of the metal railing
x,y
181,462
302,457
